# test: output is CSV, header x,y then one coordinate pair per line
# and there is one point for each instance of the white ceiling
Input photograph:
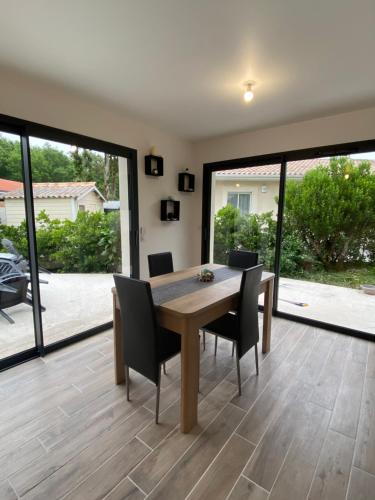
x,y
180,64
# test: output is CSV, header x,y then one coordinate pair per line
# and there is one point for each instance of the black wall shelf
x,y
186,182
154,165
169,210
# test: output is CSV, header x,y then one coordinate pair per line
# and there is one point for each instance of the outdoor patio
x,y
77,302
73,302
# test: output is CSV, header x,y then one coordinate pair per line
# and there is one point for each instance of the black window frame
x,y
282,158
26,129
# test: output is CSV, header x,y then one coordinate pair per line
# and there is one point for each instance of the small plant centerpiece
x,y
206,275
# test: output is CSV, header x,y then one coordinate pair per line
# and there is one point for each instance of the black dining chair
x,y
146,344
242,328
243,259
160,263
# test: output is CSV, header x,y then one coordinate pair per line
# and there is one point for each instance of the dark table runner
x,y
165,293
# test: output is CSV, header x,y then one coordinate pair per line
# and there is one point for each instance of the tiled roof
x,y
6,185
294,169
56,190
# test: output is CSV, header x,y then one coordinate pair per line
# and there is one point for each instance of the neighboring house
x,y
254,189
60,200
5,187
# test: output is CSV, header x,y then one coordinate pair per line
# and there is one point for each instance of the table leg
x,y
117,345
267,316
189,378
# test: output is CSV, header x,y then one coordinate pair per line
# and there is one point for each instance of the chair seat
x,y
225,326
169,344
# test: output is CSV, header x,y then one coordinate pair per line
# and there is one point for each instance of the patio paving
x,y
73,302
77,302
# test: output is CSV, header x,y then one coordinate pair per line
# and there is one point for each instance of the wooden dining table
x,y
185,315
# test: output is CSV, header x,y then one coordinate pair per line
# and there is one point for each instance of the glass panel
x,y
16,316
328,245
244,212
244,203
82,230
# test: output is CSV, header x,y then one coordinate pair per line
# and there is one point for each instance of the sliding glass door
x,y
16,294
311,218
81,210
68,221
244,212
327,252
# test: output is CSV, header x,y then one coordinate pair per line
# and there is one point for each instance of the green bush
x,y
333,211
89,244
257,233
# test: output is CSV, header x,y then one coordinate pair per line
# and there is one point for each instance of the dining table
x,y
184,305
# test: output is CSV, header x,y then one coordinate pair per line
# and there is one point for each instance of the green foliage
x,y
49,164
255,232
89,244
333,211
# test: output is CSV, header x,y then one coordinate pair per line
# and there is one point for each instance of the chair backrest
x,y
242,259
248,309
160,263
19,284
139,325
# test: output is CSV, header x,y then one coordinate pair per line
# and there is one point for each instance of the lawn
x,y
348,278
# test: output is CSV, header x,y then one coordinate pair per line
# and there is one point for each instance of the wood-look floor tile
x,y
102,481
270,402
359,350
365,450
19,458
66,467
181,478
246,490
332,474
220,478
126,490
7,492
164,456
298,468
312,367
329,382
348,403
361,486
269,456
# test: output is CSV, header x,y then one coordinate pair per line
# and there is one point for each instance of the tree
x,y
333,211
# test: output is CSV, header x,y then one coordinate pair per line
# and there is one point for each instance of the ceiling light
x,y
248,94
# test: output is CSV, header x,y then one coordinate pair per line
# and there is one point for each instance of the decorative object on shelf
x,y
206,275
169,210
186,182
154,163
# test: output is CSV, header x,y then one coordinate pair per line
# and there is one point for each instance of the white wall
x,y
346,127
50,105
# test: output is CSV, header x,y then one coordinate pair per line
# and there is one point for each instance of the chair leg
x,y
158,398
256,358
238,371
7,317
164,369
232,349
127,382
204,340
215,345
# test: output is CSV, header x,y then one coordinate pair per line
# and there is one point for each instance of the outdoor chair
x,y
146,344
242,328
13,291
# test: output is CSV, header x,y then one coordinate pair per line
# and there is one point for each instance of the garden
x,y
328,227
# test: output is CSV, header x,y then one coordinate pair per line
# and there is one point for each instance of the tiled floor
x,y
305,428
